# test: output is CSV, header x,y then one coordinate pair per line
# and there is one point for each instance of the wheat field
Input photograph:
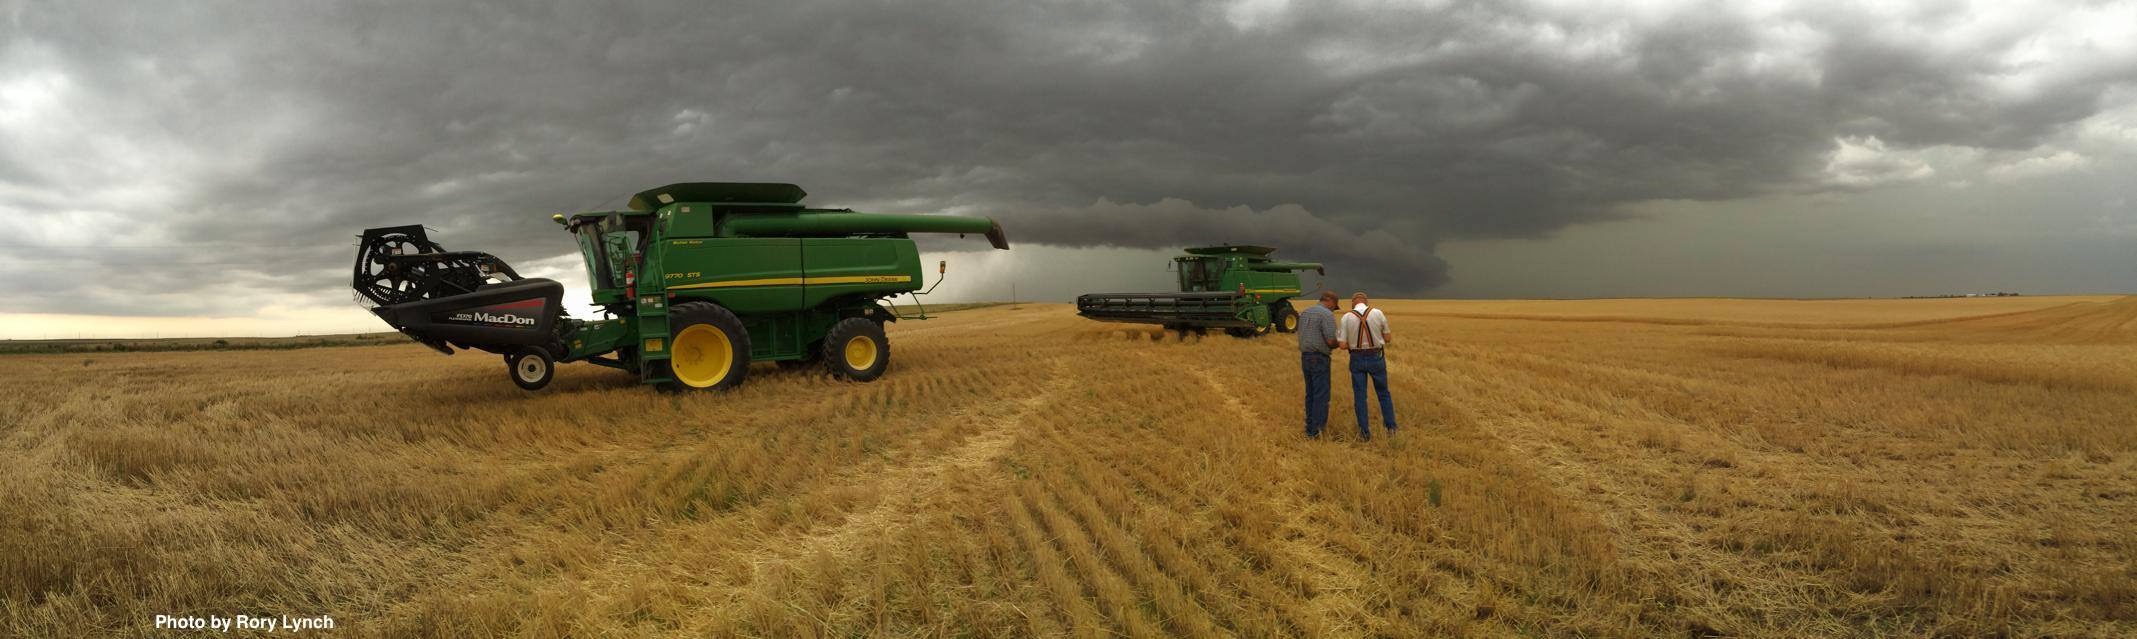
x,y
1623,468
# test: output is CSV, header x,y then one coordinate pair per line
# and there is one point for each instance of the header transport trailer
x,y
697,280
1237,288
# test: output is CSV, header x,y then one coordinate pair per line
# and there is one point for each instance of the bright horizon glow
x,y
346,321
281,322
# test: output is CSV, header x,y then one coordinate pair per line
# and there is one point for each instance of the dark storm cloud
x,y
262,136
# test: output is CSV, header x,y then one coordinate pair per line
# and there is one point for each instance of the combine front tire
x,y
531,368
1284,317
856,349
708,348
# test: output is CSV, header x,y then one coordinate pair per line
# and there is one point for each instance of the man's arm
x,y
1341,326
1387,335
1328,332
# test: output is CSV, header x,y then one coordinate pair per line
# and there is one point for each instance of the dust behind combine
x,y
1616,468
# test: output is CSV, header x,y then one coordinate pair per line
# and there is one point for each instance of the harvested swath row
x,y
909,494
1069,597
1232,524
1364,478
1071,476
1067,463
1184,496
1896,561
1127,539
1333,586
1178,533
1175,604
1602,391
1550,407
961,455
822,494
1118,598
1866,473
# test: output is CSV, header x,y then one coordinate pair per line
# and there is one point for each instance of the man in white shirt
x,y
1364,334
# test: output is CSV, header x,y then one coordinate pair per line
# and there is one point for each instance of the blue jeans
x,y
1315,366
1372,366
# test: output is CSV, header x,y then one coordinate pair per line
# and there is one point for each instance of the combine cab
x,y
1237,288
697,280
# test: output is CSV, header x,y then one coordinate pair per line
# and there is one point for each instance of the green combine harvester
x,y
697,280
1237,288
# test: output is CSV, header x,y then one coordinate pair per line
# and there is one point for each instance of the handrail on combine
x,y
942,268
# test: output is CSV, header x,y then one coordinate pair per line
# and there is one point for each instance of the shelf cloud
x,y
235,149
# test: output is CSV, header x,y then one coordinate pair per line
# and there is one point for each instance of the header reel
x,y
399,264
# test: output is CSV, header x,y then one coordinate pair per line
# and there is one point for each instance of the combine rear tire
x,y
531,368
708,349
1284,317
856,349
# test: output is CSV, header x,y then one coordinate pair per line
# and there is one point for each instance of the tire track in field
x,y
1337,584
915,488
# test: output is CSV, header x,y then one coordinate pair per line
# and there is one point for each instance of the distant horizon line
x,y
1954,296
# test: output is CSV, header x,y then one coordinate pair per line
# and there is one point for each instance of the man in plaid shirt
x,y
1317,336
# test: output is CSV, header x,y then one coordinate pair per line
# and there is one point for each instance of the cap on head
x,y
1328,296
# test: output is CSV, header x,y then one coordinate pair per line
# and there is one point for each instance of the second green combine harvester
x,y
698,280
1237,288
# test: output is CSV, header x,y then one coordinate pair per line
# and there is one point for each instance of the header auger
x,y
1237,288
698,280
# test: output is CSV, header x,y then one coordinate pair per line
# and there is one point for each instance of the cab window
x,y
619,246
1200,274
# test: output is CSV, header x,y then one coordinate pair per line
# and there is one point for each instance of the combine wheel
x,y
531,368
857,350
1284,317
709,349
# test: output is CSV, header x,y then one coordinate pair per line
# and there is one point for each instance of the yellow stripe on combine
x,y
773,281
858,279
804,281
1271,290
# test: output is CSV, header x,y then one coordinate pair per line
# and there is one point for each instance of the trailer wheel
x,y
709,349
856,349
1284,317
531,368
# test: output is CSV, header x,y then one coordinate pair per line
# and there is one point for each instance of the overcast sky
x,y
168,162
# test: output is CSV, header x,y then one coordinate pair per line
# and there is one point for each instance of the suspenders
x,y
1365,331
